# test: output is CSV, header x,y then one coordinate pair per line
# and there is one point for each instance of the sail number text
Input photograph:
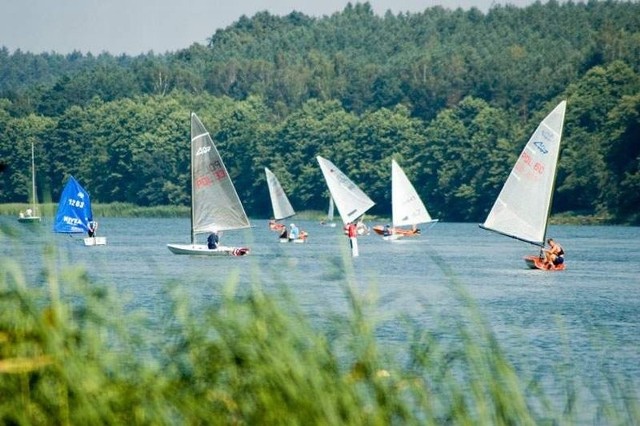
x,y
218,172
528,168
76,203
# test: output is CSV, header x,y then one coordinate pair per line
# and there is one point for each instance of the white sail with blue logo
x,y
522,208
74,215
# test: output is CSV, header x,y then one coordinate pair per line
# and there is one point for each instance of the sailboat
x,y
351,201
215,205
31,215
407,209
74,215
330,213
522,208
282,209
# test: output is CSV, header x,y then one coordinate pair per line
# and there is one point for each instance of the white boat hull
x,y
95,241
203,250
30,219
297,240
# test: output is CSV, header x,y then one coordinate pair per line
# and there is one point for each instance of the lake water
x,y
587,316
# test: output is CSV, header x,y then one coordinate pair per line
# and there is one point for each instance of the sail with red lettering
x,y
215,205
522,208
215,202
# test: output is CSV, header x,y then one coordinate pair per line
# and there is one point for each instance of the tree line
x,y
452,95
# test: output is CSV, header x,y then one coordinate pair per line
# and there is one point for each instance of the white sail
x,y
281,206
215,202
215,205
348,198
523,206
406,206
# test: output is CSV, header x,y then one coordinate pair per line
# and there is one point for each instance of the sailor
x,y
553,256
294,232
212,240
92,228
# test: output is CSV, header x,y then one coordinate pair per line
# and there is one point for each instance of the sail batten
x,y
522,208
350,200
199,136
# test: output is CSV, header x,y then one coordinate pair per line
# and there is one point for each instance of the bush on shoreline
x,y
131,210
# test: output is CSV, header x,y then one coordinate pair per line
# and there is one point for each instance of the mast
x,y
553,180
33,180
192,159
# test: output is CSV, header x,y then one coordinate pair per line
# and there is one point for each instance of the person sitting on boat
x,y
92,228
212,240
294,232
29,213
386,231
362,228
284,234
554,256
276,226
21,214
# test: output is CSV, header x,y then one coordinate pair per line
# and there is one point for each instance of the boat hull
x,y
30,219
535,262
296,241
395,232
203,250
95,241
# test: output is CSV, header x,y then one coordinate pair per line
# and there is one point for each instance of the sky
x,y
135,27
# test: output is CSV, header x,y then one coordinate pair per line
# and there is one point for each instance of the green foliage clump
x,y
453,95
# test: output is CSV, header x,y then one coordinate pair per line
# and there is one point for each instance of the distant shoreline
x,y
131,210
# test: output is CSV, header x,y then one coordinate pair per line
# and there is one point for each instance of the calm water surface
x,y
587,316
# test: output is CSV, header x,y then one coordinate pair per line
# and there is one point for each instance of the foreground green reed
x,y
69,354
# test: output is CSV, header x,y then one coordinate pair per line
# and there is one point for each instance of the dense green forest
x,y
453,95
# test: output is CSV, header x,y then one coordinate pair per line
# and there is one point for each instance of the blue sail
x,y
74,209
